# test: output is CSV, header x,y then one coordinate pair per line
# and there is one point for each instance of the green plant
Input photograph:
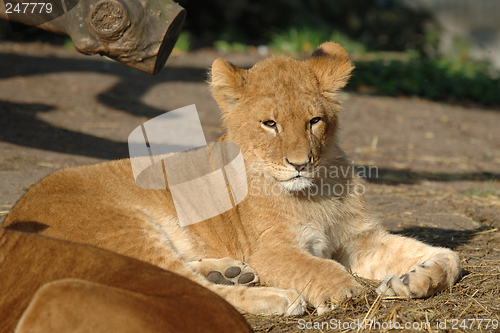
x,y
183,43
68,43
350,45
455,80
297,41
226,47
389,25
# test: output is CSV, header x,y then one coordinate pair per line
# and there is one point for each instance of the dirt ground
x,y
435,166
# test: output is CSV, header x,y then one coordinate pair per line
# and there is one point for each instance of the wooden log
x,y
138,33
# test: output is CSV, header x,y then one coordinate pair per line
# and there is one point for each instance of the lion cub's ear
x,y
227,83
330,63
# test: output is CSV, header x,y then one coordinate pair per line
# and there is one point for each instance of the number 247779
x,y
18,8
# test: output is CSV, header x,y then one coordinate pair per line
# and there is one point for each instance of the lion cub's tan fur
x,y
300,237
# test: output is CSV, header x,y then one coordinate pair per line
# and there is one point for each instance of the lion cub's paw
x,y
328,299
295,305
226,271
424,280
274,301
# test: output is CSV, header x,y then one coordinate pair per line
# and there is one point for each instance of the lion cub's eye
x,y
315,120
270,123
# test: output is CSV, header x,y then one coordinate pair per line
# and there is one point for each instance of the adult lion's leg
x,y
74,305
407,267
77,287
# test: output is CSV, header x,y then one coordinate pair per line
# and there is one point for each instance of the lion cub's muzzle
x,y
299,166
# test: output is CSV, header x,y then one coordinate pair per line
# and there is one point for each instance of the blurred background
x,y
437,49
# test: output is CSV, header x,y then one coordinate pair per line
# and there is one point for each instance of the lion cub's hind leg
x,y
226,271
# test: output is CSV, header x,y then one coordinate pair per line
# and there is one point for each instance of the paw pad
x,y
232,276
246,278
226,271
216,277
232,272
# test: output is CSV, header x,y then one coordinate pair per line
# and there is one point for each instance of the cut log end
x,y
109,19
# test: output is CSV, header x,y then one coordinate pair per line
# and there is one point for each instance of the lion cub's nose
x,y
299,166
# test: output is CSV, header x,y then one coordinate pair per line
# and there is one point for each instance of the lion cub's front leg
x,y
322,282
406,266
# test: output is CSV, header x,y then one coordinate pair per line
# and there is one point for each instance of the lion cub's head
x,y
282,112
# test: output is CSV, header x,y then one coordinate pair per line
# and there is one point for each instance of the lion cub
x,y
299,231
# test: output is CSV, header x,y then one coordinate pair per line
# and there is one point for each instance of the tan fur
x,y
298,242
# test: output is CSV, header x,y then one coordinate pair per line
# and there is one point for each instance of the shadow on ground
x,y
395,177
450,238
19,124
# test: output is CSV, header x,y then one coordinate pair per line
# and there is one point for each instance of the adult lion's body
x,y
301,227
